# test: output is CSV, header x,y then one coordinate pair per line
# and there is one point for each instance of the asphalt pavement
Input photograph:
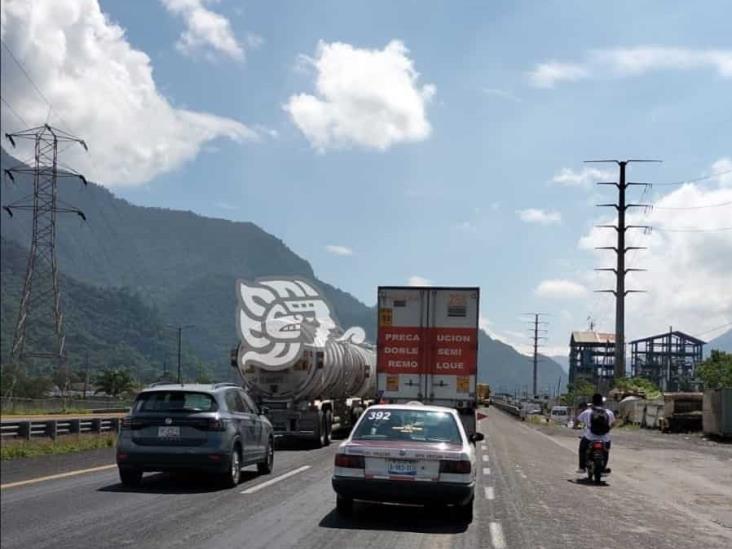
x,y
527,496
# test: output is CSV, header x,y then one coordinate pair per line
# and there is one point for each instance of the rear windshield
x,y
175,401
411,425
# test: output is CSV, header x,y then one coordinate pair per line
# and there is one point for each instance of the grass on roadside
x,y
16,449
45,412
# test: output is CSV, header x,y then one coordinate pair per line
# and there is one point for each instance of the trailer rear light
x,y
461,467
349,462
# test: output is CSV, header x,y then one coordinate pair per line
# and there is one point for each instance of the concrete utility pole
x,y
538,335
180,329
620,250
40,302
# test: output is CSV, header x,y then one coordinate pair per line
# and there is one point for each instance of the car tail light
x,y
215,424
350,462
127,423
461,467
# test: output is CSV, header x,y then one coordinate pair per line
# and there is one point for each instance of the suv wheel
x,y
130,476
265,467
232,477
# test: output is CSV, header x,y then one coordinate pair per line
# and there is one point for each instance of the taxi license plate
x,y
168,432
402,467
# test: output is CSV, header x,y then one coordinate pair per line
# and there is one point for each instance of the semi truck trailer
x,y
428,347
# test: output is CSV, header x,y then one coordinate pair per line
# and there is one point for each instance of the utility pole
x,y
538,333
620,250
40,302
180,329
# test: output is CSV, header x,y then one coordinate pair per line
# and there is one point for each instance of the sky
x,y
414,142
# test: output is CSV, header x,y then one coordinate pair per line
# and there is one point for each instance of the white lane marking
x,y
499,542
485,458
53,477
489,493
258,487
486,470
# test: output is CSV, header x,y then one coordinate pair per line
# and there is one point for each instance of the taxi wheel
x,y
344,506
465,511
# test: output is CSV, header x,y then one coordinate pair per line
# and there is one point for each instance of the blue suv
x,y
181,427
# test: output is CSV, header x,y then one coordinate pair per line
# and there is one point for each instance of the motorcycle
x,y
595,461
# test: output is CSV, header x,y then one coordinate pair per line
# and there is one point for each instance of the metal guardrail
x,y
506,407
16,405
53,428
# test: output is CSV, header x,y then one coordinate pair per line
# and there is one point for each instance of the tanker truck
x,y
310,378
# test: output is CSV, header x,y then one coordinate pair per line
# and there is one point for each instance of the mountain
x,y
177,267
563,361
720,343
506,369
106,327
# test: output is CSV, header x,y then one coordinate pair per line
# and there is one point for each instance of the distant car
x,y
560,414
408,453
213,428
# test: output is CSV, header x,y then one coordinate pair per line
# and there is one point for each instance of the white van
x,y
560,414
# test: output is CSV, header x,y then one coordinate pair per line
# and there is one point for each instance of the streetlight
x,y
180,329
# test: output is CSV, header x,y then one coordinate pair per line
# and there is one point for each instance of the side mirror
x,y
263,411
476,437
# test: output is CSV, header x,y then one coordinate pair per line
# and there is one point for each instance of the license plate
x,y
168,432
402,467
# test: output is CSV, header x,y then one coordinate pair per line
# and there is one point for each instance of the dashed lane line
x,y
497,539
275,480
490,493
486,471
54,477
485,458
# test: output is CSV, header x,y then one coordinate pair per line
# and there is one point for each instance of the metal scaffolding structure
x,y
592,359
669,360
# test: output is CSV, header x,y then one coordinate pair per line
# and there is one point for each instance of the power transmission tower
x,y
620,250
40,302
538,334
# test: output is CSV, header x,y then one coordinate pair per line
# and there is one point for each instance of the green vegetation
x,y
580,389
716,371
15,449
115,382
639,386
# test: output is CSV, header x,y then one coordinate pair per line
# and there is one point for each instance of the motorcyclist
x,y
598,421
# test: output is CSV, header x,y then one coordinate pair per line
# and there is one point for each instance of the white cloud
x,y
102,89
366,98
339,250
416,280
723,169
206,30
561,289
635,61
585,178
688,277
548,74
534,215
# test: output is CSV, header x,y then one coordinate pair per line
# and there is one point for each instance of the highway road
x,y
527,496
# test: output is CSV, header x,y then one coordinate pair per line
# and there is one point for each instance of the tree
x,y
716,371
114,382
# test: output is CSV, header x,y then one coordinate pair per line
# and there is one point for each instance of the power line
x,y
696,179
12,110
692,207
691,229
714,329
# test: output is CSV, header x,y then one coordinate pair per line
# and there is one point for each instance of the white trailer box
x,y
428,347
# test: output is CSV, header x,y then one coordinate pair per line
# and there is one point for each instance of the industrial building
x,y
669,360
592,359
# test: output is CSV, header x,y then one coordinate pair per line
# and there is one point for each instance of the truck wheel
x,y
344,506
327,427
130,476
265,467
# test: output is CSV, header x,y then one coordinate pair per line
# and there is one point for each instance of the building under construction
x,y
669,360
592,359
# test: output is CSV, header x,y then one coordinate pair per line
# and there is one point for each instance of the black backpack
x,y
599,421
